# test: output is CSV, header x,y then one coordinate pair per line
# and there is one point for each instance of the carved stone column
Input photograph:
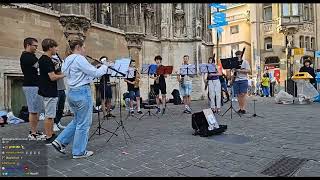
x,y
134,46
75,26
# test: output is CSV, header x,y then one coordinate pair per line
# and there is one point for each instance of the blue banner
x,y
217,5
217,25
317,54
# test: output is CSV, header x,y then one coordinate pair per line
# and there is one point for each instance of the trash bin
x,y
305,90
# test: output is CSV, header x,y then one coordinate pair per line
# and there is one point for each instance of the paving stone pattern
x,y
166,146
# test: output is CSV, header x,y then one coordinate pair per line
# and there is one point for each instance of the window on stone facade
x,y
267,8
301,41
285,9
306,10
290,9
101,13
234,29
268,43
295,9
311,12
307,43
313,41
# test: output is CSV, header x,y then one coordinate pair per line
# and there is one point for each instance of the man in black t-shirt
x,y
29,66
48,86
134,92
160,85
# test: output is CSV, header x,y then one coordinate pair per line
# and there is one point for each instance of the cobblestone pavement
x,y
166,146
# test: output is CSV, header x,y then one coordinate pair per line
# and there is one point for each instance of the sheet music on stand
x,y
122,66
207,68
149,69
189,69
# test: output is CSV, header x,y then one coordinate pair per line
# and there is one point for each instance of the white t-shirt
x,y
243,76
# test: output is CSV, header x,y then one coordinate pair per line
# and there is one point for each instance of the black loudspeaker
x,y
200,125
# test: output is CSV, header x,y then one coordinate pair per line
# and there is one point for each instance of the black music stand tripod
x,y
120,75
146,69
254,110
99,127
230,63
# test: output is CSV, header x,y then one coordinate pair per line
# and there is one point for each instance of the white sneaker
x,y
60,126
86,154
56,127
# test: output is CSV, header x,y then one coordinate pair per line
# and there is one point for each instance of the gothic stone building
x,y
137,30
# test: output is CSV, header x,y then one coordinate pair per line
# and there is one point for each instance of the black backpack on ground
x,y
176,97
200,126
24,113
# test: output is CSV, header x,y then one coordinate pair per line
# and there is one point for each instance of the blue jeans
x,y
80,102
266,90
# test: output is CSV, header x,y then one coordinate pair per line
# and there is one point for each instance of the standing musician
x,y
133,87
241,82
214,87
160,85
79,73
106,91
185,83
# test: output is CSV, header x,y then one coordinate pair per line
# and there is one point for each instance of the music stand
x,y
119,71
163,70
99,127
230,63
254,110
149,69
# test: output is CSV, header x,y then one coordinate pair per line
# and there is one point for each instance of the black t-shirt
x,y
131,86
104,80
47,88
28,64
162,80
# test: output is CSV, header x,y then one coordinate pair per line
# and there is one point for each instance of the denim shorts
x,y
34,100
50,106
240,87
186,89
134,94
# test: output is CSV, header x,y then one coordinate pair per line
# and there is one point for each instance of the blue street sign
x,y
317,54
217,5
217,25
219,15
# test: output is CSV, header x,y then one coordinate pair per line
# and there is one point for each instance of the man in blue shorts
x,y
241,82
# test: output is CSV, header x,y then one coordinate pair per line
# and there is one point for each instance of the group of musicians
x,y
79,73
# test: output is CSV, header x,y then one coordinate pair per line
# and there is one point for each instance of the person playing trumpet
x,y
160,85
133,88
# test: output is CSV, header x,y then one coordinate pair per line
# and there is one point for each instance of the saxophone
x,y
137,79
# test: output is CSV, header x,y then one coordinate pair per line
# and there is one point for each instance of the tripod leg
x,y
226,111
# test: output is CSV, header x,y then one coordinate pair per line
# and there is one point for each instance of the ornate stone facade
x,y
138,30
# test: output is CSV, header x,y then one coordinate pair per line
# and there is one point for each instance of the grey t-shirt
x,y
243,76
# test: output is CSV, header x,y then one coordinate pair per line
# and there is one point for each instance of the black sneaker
x,y
132,113
188,112
243,111
59,147
239,111
139,112
48,141
185,111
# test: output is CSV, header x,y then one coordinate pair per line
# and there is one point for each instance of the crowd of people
x,y
44,90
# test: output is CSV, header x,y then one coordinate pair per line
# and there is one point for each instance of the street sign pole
x,y
217,59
